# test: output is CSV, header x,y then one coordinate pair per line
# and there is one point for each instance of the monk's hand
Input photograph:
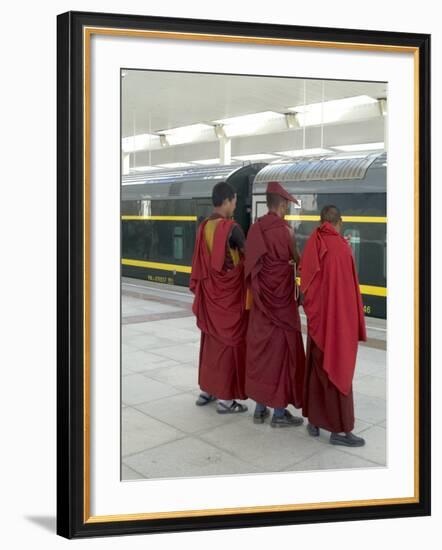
x,y
292,262
348,238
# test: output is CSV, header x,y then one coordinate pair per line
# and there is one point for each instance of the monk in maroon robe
x,y
336,323
217,281
275,351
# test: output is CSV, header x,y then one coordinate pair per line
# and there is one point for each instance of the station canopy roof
x,y
174,119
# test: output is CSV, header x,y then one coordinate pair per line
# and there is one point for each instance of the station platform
x,y
165,435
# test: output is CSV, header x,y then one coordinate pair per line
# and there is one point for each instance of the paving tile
x,y
139,389
368,408
180,411
271,449
381,373
173,333
129,330
141,361
373,355
369,369
148,341
184,322
127,349
181,376
331,459
374,386
188,457
148,306
374,448
127,311
370,361
185,353
128,474
140,432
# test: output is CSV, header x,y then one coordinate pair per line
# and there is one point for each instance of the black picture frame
x,y
72,520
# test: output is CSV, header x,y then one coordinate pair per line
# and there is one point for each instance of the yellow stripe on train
x,y
365,289
162,218
289,217
373,290
155,265
354,219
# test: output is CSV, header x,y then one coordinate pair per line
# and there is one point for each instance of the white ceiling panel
x,y
159,100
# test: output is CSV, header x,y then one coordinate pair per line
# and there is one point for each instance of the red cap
x,y
277,189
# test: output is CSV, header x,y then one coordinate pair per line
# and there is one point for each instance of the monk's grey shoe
x,y
348,440
234,408
312,430
260,415
286,421
203,399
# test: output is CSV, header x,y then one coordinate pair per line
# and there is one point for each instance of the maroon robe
x,y
335,321
219,306
323,404
275,351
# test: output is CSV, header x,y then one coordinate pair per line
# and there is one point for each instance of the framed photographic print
x,y
243,274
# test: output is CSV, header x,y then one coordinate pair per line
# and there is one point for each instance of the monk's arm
x,y
296,256
237,238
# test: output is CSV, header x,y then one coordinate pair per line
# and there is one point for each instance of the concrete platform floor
x,y
164,435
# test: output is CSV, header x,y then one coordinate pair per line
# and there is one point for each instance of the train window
x,y
355,243
145,207
261,209
178,243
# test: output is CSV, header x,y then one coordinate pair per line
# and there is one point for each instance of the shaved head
x,y
331,214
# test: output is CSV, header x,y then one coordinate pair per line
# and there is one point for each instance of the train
x,y
161,211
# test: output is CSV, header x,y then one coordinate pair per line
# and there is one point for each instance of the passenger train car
x,y
162,210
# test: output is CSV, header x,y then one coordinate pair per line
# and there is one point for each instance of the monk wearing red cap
x,y
335,318
217,281
275,352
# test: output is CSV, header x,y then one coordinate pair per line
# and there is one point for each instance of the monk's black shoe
x,y
348,440
312,430
260,415
286,421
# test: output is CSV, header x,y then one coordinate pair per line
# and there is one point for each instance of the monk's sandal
x,y
204,399
286,421
235,407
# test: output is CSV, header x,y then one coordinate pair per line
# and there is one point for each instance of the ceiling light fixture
x,y
188,134
263,122
143,168
204,162
379,145
132,144
349,108
256,156
175,165
304,152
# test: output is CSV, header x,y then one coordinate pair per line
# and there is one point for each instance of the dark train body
x,y
161,212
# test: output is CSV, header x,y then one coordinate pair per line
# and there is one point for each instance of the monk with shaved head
x,y
335,323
